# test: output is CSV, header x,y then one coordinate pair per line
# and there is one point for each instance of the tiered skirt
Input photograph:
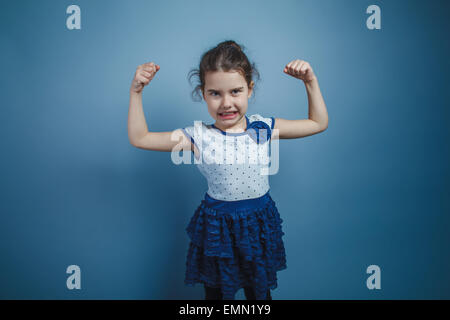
x,y
235,244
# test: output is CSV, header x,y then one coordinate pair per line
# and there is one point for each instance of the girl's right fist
x,y
144,74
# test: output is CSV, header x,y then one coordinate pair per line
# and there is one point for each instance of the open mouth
x,y
228,115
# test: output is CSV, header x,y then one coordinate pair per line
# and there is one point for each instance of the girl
x,y
236,235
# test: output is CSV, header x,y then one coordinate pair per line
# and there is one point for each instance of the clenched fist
x,y
300,69
144,74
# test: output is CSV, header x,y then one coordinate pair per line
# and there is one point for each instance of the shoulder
x,y
196,133
199,132
196,128
270,121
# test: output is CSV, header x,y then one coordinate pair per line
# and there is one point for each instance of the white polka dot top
x,y
234,164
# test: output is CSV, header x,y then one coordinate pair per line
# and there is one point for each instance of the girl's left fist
x,y
300,69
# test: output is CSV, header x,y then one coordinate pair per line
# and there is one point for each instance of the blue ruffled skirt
x,y
235,244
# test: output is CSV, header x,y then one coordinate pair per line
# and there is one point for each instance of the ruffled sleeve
x,y
270,121
189,133
259,123
195,133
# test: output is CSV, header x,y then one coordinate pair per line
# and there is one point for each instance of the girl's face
x,y
227,94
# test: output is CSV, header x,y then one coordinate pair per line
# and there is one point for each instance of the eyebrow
x,y
214,90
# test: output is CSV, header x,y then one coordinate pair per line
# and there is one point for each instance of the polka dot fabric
x,y
232,163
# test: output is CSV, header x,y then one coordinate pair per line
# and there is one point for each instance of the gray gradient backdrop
x,y
372,189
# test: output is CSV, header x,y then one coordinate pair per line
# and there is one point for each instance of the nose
x,y
226,103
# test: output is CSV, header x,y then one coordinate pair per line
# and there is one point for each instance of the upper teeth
x,y
228,113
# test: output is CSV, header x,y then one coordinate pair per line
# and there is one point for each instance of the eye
x,y
234,91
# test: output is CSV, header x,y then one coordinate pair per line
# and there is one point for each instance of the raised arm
x,y
317,112
138,133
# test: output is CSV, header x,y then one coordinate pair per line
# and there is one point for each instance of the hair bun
x,y
230,43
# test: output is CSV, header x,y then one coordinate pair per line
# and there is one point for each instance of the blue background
x,y
372,189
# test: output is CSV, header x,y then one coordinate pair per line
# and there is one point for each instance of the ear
x,y
250,89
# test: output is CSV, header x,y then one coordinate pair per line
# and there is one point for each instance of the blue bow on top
x,y
257,134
